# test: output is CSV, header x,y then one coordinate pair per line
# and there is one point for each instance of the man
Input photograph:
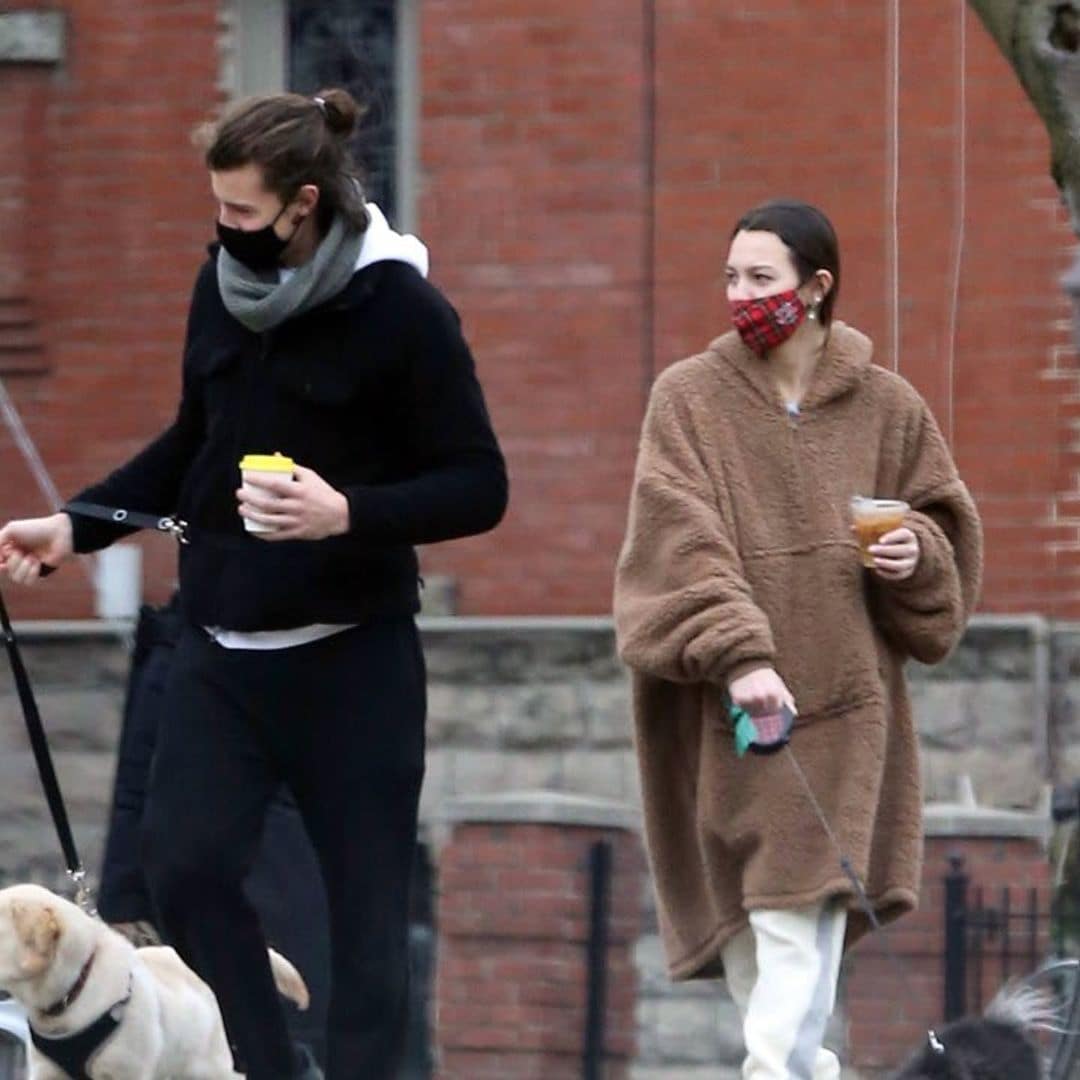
x,y
312,332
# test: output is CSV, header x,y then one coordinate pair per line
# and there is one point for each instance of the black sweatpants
x,y
341,722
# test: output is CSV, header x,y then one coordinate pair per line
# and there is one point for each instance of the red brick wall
x,y
536,205
537,210
889,1013
513,923
106,209
534,209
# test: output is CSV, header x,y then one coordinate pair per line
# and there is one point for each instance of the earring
x,y
812,314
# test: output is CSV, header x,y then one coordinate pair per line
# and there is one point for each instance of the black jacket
x,y
376,391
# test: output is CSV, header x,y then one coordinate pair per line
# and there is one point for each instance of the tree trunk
x,y
1041,40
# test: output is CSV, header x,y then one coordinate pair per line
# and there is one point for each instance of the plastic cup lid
x,y
267,463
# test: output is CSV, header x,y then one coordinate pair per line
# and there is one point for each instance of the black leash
x,y
135,518
46,771
34,727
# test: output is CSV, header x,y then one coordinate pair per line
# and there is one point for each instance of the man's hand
x,y
303,508
896,555
31,543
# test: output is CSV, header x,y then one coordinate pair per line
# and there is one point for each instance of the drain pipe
x,y
1041,693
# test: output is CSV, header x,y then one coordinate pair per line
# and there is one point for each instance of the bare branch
x,y
1041,39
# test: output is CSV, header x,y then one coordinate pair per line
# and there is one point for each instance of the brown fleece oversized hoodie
x,y
739,555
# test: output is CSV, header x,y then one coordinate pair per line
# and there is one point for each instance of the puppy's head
x,y
32,922
983,1048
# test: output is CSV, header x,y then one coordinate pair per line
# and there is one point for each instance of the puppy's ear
x,y
38,930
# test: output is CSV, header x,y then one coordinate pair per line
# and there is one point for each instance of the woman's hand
x,y
896,554
304,507
31,543
761,693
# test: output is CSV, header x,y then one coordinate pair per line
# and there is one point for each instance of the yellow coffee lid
x,y
267,463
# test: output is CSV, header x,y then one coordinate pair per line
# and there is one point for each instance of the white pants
x,y
782,971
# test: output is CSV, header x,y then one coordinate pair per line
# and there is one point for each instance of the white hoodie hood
x,y
383,244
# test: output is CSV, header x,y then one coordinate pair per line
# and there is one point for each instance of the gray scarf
x,y
260,301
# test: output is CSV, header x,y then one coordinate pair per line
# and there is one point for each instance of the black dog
x,y
997,1046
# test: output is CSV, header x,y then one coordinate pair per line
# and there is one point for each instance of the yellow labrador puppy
x,y
100,1008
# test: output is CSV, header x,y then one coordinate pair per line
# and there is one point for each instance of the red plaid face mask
x,y
768,321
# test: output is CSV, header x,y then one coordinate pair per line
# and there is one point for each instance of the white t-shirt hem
x,y
275,639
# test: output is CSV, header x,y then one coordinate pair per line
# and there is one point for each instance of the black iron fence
x,y
991,935
994,934
600,870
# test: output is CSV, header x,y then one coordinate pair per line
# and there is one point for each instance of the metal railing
x,y
994,935
599,871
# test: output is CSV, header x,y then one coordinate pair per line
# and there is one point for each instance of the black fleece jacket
x,y
374,390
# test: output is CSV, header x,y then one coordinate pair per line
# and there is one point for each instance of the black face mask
x,y
258,249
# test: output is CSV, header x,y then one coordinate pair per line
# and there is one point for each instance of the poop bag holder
x,y
763,734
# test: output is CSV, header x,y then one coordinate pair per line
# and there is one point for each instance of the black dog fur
x,y
997,1046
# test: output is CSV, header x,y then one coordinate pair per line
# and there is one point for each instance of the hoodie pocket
x,y
827,648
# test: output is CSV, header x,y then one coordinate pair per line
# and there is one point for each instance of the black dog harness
x,y
72,1053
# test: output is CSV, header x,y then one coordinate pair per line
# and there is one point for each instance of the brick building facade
x,y
574,169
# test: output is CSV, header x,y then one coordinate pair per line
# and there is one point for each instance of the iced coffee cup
x,y
873,518
259,467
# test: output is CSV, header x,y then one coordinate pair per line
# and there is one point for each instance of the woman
x,y
740,586
312,331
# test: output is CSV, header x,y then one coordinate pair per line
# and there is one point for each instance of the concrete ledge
x,y
32,37
540,808
1035,624
119,630
960,820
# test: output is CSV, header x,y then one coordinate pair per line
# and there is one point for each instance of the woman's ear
x,y
823,284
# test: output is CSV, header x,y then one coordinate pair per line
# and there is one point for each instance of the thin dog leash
x,y
767,735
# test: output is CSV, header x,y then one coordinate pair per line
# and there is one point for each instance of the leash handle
x,y
136,519
40,746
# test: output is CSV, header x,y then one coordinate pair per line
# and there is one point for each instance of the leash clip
x,y
175,528
84,898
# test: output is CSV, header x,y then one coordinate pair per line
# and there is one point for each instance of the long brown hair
x,y
295,140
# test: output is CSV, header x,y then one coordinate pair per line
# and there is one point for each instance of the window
x,y
366,46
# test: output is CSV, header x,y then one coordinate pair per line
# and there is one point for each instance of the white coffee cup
x,y
256,467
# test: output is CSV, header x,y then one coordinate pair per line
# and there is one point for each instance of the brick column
x,y
513,925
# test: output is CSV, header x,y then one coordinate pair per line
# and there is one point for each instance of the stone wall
x,y
543,704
